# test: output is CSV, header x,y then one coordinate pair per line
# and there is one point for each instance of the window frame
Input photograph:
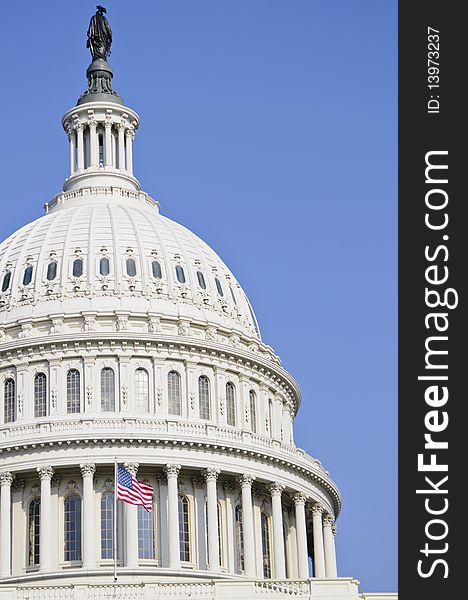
x,y
41,375
204,398
137,409
169,399
9,400
107,369
231,404
78,529
33,537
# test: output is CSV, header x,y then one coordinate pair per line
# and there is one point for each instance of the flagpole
x,y
114,549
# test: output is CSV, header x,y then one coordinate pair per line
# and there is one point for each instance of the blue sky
x,y
269,129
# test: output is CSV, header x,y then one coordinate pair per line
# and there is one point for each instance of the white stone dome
x,y
133,259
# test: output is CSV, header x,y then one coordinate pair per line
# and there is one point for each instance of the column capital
x,y
6,478
172,470
276,488
87,469
45,473
246,480
132,467
328,520
212,474
334,529
317,509
299,498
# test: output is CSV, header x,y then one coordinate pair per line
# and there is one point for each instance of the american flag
x,y
130,490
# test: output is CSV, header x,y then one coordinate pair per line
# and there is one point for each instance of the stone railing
x,y
308,589
86,427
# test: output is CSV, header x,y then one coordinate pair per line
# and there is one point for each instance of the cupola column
x,y
45,529
211,477
276,490
108,142
89,516
121,145
247,517
93,143
131,524
172,472
329,546
72,139
80,146
301,536
6,479
319,556
129,150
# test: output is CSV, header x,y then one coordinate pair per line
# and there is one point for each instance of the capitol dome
x,y
109,248
127,343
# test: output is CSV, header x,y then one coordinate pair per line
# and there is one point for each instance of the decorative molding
x,y
6,478
173,470
246,480
87,469
212,474
299,498
276,488
316,509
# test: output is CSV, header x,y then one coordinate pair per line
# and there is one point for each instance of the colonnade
x,y
323,525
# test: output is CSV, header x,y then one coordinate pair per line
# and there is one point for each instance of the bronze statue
x,y
99,35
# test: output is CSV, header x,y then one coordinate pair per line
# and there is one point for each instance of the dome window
x,y
180,274
131,267
104,266
40,395
156,269
6,281
9,401
201,280
77,267
233,295
51,271
219,287
27,277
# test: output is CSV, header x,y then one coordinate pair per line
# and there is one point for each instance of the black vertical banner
x,y
433,271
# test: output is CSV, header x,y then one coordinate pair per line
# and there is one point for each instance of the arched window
x,y
253,411
107,390
104,266
52,270
131,267
40,395
231,403
156,269
204,397
174,393
101,149
146,539
27,276
141,391
9,401
33,531
239,539
184,529
266,546
77,269
73,391
219,287
201,280
180,274
107,525
6,281
72,527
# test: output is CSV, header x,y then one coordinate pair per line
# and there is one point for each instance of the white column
x,y
72,138
329,546
6,479
108,143
172,472
211,477
129,149
93,144
301,536
121,145
80,146
276,490
89,516
131,525
45,529
247,518
319,556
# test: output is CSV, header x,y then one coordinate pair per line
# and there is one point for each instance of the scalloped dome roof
x,y
132,258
